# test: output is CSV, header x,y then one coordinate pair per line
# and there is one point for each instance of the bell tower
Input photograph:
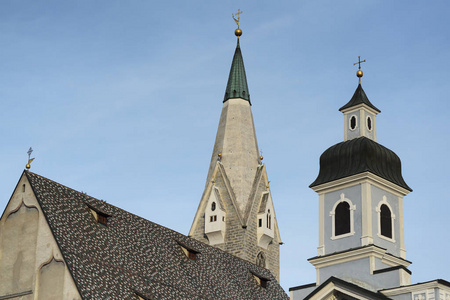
x,y
236,212
361,190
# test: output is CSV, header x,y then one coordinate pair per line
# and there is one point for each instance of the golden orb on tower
x,y
238,32
359,73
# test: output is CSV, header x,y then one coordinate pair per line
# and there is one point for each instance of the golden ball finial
x,y
28,166
261,157
238,32
359,73
219,155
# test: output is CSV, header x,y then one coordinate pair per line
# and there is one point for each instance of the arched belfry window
x,y
342,218
386,220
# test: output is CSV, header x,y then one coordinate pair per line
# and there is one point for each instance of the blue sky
x,y
121,99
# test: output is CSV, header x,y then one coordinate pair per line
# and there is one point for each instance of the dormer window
x,y
261,281
102,218
99,216
191,254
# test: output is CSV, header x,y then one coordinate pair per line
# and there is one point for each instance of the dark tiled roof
x,y
359,97
357,156
133,256
237,80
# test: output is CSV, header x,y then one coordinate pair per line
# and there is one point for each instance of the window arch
x,y
342,218
261,260
386,219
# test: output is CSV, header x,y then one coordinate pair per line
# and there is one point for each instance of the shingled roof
x,y
132,256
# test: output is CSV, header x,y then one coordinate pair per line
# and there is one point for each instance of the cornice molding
x,y
360,178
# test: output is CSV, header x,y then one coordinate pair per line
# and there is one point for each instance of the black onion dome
x,y
357,156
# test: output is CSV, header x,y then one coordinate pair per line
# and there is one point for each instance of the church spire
x,y
236,212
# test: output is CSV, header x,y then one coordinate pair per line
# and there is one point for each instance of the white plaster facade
x,y
31,264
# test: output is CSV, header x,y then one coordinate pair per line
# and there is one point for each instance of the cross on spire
x,y
359,62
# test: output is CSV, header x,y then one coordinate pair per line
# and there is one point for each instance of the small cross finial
x,y
28,166
359,73
359,62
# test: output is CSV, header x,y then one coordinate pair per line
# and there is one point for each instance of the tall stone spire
x,y
236,212
236,138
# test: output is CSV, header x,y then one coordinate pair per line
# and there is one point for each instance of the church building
x,y
58,243
361,252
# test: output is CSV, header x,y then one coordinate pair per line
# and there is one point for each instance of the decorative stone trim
x,y
352,208
378,210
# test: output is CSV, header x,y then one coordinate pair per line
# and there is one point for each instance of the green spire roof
x,y
237,81
359,97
